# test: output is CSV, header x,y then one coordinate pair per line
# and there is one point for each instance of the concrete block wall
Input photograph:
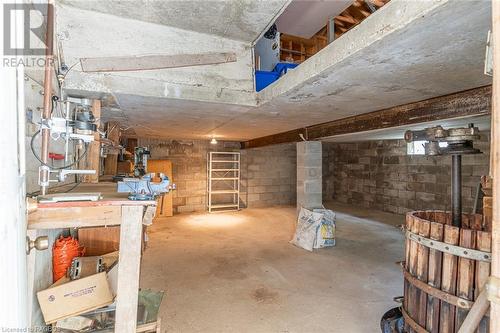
x,y
380,175
267,174
309,174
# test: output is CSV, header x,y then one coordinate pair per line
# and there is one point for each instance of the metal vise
x,y
144,188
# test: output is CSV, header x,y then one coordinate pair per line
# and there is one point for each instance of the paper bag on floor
x,y
325,234
307,225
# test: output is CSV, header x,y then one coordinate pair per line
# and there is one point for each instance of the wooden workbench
x,y
113,209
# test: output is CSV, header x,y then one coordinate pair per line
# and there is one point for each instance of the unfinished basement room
x,y
220,166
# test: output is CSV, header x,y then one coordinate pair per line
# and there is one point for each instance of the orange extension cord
x,y
64,250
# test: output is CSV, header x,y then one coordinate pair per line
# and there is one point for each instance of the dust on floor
x,y
236,272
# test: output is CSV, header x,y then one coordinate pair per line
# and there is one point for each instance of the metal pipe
x,y
456,190
47,94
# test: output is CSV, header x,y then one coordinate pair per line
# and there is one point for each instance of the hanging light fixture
x,y
213,141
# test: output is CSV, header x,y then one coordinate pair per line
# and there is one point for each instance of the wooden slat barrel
x,y
445,268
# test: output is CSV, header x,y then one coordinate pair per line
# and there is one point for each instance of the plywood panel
x,y
165,203
99,241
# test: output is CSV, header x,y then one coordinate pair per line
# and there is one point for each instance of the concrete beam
x,y
89,34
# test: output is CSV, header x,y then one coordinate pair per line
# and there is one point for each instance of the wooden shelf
x,y
225,192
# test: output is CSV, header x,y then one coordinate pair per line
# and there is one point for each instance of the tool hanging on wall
x,y
141,155
71,120
459,142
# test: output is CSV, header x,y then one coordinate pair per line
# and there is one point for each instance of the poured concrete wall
x,y
380,175
267,174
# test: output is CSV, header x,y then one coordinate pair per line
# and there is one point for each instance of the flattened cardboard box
x,y
75,297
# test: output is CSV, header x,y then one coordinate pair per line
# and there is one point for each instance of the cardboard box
x,y
75,297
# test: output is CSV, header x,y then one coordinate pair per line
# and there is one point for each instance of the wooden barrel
x,y
445,268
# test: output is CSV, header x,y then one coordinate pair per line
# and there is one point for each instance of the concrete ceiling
x,y
242,20
407,51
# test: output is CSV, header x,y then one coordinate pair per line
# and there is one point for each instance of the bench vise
x,y
144,188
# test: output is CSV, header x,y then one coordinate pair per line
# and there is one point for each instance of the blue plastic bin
x,y
282,67
265,78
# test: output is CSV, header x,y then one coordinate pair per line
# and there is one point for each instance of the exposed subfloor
x,y
236,272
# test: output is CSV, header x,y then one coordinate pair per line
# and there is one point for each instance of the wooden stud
x,y
449,280
434,279
346,18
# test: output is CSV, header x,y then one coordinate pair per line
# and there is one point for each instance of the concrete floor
x,y
236,272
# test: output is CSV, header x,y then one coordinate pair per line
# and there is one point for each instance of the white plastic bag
x,y
325,234
307,226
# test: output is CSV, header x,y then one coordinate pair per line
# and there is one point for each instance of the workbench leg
x,y
128,269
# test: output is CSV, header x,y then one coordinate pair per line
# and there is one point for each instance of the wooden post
x,y
495,162
128,269
94,154
111,161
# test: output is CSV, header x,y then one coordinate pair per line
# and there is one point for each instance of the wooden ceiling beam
x,y
472,102
347,18
339,23
378,3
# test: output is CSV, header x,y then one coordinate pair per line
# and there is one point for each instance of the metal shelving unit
x,y
223,186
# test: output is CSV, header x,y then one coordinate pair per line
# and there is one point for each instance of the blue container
x,y
265,78
282,67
